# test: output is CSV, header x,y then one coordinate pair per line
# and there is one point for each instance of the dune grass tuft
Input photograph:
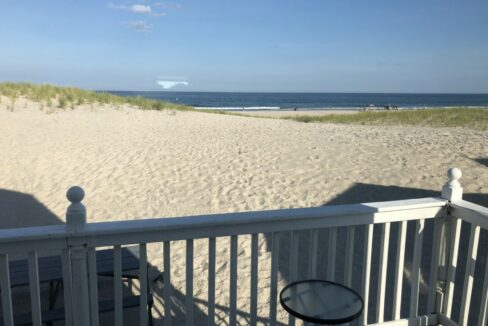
x,y
453,117
71,97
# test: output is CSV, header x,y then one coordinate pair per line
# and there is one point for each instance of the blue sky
x,y
314,46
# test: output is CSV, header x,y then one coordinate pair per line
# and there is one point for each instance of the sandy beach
x,y
137,164
282,113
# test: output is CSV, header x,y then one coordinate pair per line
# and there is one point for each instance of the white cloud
x,y
167,5
167,84
137,9
140,9
140,26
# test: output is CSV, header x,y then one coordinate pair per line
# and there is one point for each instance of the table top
x,y
50,267
321,302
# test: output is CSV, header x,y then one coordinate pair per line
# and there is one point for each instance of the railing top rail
x,y
469,212
336,215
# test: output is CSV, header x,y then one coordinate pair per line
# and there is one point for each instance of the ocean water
x,y
313,101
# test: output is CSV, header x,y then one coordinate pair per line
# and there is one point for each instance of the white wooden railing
x,y
78,240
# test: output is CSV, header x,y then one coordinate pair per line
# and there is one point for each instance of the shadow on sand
x,y
19,210
482,161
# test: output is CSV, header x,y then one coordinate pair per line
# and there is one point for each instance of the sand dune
x,y
137,164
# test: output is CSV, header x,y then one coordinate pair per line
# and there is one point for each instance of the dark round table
x,y
321,302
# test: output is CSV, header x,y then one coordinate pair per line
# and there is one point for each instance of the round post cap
x,y
454,174
75,194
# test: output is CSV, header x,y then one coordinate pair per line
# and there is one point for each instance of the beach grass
x,y
453,117
64,97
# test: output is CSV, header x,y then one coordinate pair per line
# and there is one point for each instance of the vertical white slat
x,y
293,256
312,263
167,283
469,274
93,283
233,280
275,256
211,281
67,287
143,312
399,266
434,265
8,316
293,266
254,279
118,317
189,282
417,255
451,267
35,294
349,255
81,298
483,316
332,254
368,247
383,265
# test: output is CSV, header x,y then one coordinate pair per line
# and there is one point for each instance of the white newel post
x,y
451,191
75,222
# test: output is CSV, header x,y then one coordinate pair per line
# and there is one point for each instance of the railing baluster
x,y
167,283
81,301
417,255
143,313
293,265
189,282
452,265
312,263
8,316
368,245
434,265
67,287
211,281
469,274
233,280
254,278
118,318
349,255
380,303
293,256
275,255
483,316
93,283
332,254
34,288
399,266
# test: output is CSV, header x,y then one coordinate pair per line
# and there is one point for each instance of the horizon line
x,y
291,92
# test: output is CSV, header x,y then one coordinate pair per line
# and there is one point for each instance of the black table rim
x,y
317,320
